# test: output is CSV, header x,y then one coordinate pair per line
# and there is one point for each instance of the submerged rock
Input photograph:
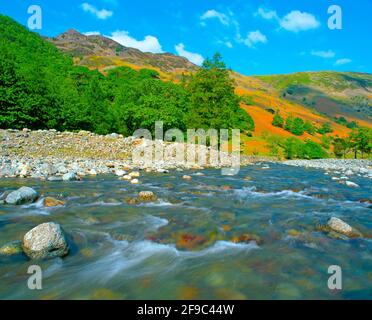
x,y
134,181
147,196
11,248
21,196
186,177
51,202
46,240
342,227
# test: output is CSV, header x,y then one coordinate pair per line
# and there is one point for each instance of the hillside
x,y
313,96
116,94
41,88
96,51
330,93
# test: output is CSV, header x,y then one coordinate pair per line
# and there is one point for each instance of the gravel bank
x,y
49,154
344,167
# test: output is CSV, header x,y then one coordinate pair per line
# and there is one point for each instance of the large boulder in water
x,y
47,240
22,195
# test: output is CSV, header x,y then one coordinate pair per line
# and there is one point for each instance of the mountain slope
x,y
95,50
330,93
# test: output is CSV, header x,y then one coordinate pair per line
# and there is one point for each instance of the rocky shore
x,y
53,155
342,167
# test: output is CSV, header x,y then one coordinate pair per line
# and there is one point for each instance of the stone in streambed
x,y
351,184
70,176
147,196
11,248
342,227
21,196
120,173
134,174
51,202
46,240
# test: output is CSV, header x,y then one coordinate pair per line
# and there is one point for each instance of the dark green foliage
x,y
313,150
326,142
278,120
295,125
361,140
344,122
295,148
340,147
40,88
325,128
213,102
309,128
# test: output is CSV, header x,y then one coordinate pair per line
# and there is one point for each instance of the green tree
x,y
293,148
361,140
325,128
295,125
313,150
340,147
309,127
213,102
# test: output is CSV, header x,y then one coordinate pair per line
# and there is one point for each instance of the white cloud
x,y
254,37
323,54
100,14
148,44
92,33
213,14
195,58
296,21
342,61
267,14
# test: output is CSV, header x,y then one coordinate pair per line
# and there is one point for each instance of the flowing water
x,y
250,236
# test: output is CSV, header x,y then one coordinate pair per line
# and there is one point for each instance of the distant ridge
x,y
80,45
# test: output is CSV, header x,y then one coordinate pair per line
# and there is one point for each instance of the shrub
x,y
278,120
295,125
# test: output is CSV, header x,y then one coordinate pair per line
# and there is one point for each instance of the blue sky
x,y
253,36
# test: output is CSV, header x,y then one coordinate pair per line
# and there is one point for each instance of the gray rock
x,y
46,240
22,195
342,227
54,178
70,176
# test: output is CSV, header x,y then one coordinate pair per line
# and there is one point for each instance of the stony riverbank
x,y
341,167
49,154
